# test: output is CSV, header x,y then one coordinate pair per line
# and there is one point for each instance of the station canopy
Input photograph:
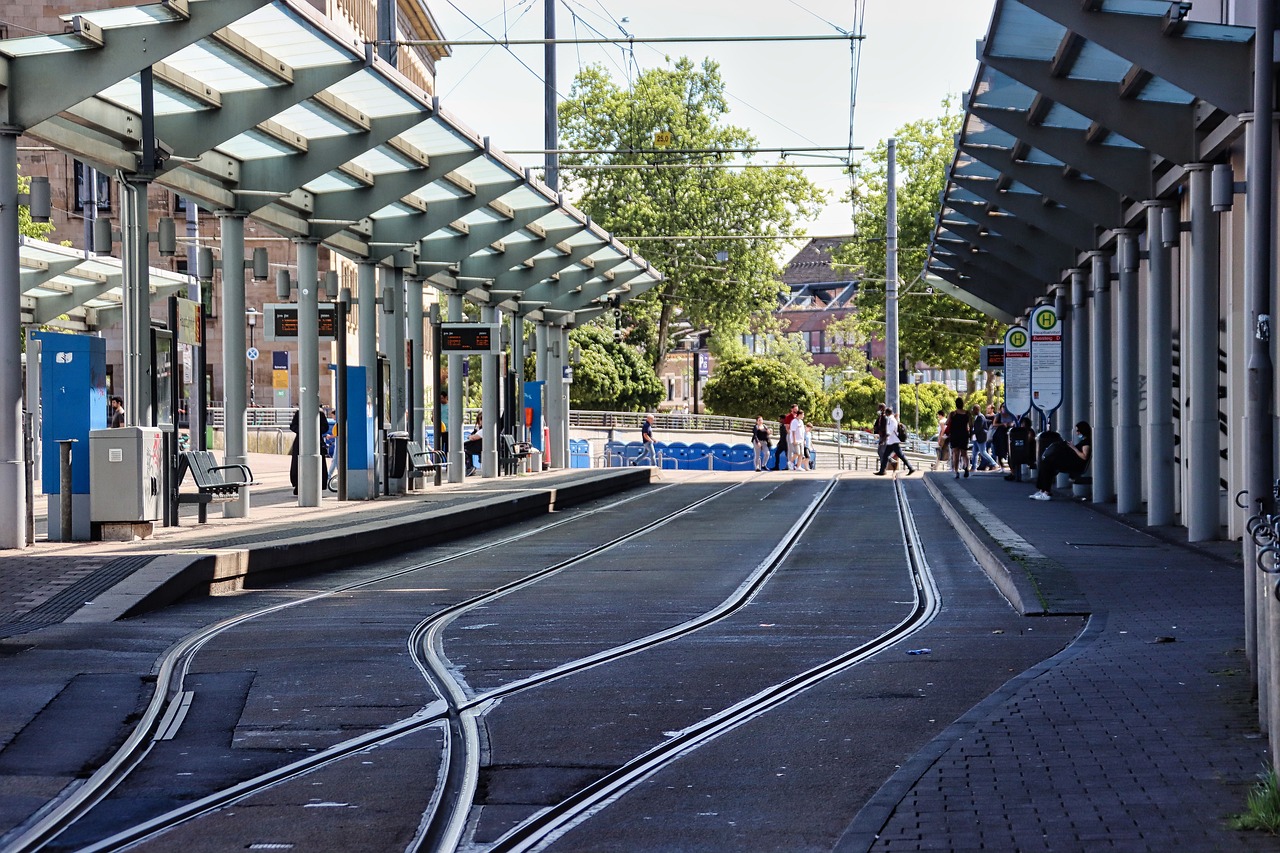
x,y
1079,113
268,109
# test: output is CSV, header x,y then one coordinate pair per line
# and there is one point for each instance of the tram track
x,y
443,824
163,713
543,828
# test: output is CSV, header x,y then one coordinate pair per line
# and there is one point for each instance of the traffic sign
x,y
837,415
253,353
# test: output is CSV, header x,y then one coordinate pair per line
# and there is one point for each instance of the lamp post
x,y
252,314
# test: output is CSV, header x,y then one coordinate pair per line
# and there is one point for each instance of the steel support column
x,y
1128,433
1100,383
362,484
457,405
1080,392
139,359
1159,425
1201,512
1062,304
393,344
13,469
416,349
564,388
517,367
489,393
235,436
309,470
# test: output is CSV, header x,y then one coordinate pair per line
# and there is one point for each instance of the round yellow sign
x,y
1047,319
1017,339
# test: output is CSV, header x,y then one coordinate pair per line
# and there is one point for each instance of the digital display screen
x,y
466,337
284,322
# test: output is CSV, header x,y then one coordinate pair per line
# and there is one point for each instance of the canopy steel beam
x,y
1210,69
1125,170
994,300
1089,199
1014,230
1035,264
1055,220
1167,130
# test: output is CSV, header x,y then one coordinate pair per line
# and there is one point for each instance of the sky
x,y
915,53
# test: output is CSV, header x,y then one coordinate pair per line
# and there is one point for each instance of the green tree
x,y
687,193
611,375
858,397
932,328
746,387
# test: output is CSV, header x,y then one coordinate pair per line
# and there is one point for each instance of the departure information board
x,y
469,337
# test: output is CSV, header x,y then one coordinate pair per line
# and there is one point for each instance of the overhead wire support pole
x,y
891,365
551,130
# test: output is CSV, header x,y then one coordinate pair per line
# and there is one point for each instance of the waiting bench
x,y
213,482
511,453
424,459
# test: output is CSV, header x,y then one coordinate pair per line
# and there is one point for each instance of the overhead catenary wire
x,y
509,42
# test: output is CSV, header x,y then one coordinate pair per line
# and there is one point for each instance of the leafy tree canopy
x,y
610,375
747,387
635,189
933,328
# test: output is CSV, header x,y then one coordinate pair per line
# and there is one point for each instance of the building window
x,y
82,194
815,341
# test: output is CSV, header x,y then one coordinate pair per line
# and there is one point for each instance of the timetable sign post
x,y
1017,371
1046,359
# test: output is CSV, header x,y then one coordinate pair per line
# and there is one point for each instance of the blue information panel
x,y
73,400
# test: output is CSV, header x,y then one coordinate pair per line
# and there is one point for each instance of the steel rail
x,y
548,825
170,673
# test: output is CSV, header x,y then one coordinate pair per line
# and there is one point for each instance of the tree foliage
x,y
933,328
611,375
636,190
747,387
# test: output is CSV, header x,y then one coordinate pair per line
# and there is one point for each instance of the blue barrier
x,y
579,453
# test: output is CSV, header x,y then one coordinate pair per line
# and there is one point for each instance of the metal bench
x,y
212,481
426,459
511,453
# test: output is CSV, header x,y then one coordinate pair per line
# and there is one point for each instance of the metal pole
x,y
13,489
891,391
1159,318
438,428
367,358
551,131
517,367
564,387
1200,364
1079,357
341,410
489,403
457,467
308,374
233,354
139,357
66,531
1128,435
1103,452
416,349
1062,304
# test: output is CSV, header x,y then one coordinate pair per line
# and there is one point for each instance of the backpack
x,y
902,432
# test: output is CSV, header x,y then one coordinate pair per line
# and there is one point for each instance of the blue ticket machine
x,y
358,433
73,401
533,413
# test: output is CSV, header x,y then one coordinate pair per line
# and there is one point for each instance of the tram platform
x,y
53,582
1141,735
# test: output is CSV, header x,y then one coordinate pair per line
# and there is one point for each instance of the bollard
x,y
64,488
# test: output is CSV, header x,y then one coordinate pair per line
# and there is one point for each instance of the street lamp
x,y
252,314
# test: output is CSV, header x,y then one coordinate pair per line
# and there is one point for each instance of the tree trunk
x,y
664,326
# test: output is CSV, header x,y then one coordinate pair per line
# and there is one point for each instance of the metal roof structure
x,y
1079,113
266,109
86,291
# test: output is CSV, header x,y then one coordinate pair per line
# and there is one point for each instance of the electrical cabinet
x,y
126,472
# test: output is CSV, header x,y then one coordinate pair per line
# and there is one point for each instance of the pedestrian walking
x,y
958,425
648,449
879,430
981,432
780,458
760,442
894,433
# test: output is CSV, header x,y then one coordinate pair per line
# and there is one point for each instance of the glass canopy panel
x,y
978,132
332,182
438,191
482,216
375,97
254,145
395,210
1117,141
483,171
41,46
1148,8
213,63
131,16
312,122
1162,91
1095,62
997,90
283,36
436,138
1217,32
1022,33
1065,117
523,198
382,161
1041,158
583,238
1021,189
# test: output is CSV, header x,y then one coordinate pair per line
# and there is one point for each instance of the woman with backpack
x,y
894,432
